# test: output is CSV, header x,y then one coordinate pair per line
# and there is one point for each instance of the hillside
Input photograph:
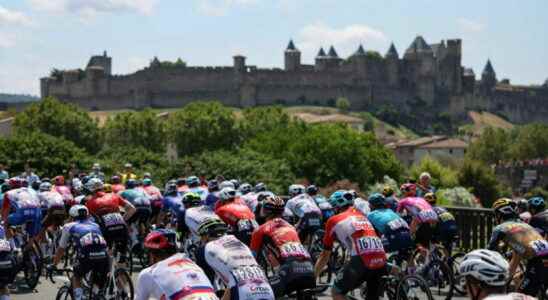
x,y
15,98
482,120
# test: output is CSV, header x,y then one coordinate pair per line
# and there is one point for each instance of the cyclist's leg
x,y
535,275
350,277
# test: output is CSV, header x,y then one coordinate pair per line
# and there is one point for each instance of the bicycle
x,y
436,272
400,287
28,256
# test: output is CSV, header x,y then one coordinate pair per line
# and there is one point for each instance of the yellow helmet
x,y
107,187
504,207
502,202
430,197
387,191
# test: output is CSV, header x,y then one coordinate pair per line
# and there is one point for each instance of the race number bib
x,y
540,247
92,239
427,216
113,219
369,244
245,225
248,273
293,249
397,224
314,222
5,246
360,224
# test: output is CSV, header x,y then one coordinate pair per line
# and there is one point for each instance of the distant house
x,y
438,146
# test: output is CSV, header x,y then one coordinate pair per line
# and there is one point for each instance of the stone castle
x,y
429,74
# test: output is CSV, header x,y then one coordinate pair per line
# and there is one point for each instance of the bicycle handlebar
x,y
49,274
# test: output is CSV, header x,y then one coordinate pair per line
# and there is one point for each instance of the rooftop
x,y
420,141
447,143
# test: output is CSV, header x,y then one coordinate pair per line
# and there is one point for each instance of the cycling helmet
x,y
236,183
147,175
76,184
107,187
181,181
430,198
263,195
78,211
59,180
296,189
131,184
192,199
94,185
147,182
45,186
536,203
36,185
226,184
274,204
340,198
46,179
312,190
245,188
486,266
227,193
16,182
504,207
161,239
212,227
213,185
376,200
406,187
171,187
115,179
387,191
522,204
260,187
192,181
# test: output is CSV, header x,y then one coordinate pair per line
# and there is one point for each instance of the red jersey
x,y
233,212
104,203
280,238
116,188
352,229
65,192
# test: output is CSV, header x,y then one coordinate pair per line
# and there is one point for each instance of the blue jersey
x,y
2,233
86,236
385,219
174,204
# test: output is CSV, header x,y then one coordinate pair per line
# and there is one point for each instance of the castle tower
x,y
103,61
420,69
292,57
333,60
321,60
359,58
239,64
451,66
392,61
488,78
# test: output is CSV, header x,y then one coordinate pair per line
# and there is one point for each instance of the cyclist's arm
x,y
129,208
514,263
143,289
256,241
495,239
63,243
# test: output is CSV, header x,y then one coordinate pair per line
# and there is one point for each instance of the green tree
x,y
143,160
136,129
203,126
61,120
262,119
529,142
343,104
480,178
442,177
491,147
47,154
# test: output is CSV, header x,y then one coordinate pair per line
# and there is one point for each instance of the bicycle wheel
x,y
412,287
386,289
32,266
124,286
460,283
439,278
64,293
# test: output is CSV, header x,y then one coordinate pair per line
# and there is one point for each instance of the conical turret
x,y
360,51
292,57
332,53
291,46
321,53
392,52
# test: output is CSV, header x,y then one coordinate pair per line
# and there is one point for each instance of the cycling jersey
x,y
447,225
86,237
53,208
392,228
301,205
510,296
51,199
250,200
540,222
362,205
194,216
155,195
137,197
25,208
211,199
174,278
65,192
234,212
418,208
234,263
102,203
280,238
174,204
357,235
113,225
521,237
117,188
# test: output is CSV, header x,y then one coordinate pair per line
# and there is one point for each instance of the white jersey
x,y
362,205
234,263
174,278
194,216
23,198
301,205
250,200
49,199
511,296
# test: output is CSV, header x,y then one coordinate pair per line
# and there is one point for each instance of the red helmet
x,y
406,187
59,180
17,182
161,239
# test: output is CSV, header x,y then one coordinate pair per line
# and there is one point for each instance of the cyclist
x,y
305,209
232,261
236,214
354,232
173,203
141,201
181,185
156,199
171,275
408,190
245,188
7,265
390,197
128,173
116,183
91,249
22,206
393,230
53,210
194,214
260,198
194,186
260,187
486,274
106,209
539,219
446,231
525,243
321,201
284,250
61,188
523,210
423,218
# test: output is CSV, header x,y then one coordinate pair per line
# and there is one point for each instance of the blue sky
x,y
37,35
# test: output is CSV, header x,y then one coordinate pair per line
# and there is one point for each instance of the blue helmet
x,y
376,200
131,184
340,198
536,202
192,181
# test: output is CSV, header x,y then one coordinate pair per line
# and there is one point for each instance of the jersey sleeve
x,y
329,237
257,240
65,236
495,239
143,290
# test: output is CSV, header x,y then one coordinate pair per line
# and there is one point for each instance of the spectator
x,y
29,174
96,172
424,187
128,173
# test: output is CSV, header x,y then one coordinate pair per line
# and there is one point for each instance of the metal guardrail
x,y
475,226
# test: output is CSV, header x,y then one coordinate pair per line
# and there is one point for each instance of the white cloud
x,y
90,8
134,64
470,25
7,40
345,39
12,17
217,8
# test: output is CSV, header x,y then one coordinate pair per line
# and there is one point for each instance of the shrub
x,y
442,177
343,104
482,181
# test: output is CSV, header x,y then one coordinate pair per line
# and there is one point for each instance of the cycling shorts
x,y
30,216
99,269
7,268
353,274
309,224
536,275
55,216
397,240
294,275
141,216
424,234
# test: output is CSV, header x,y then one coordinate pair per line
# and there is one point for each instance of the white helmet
x,y
94,184
78,211
226,184
45,186
486,266
227,193
296,189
